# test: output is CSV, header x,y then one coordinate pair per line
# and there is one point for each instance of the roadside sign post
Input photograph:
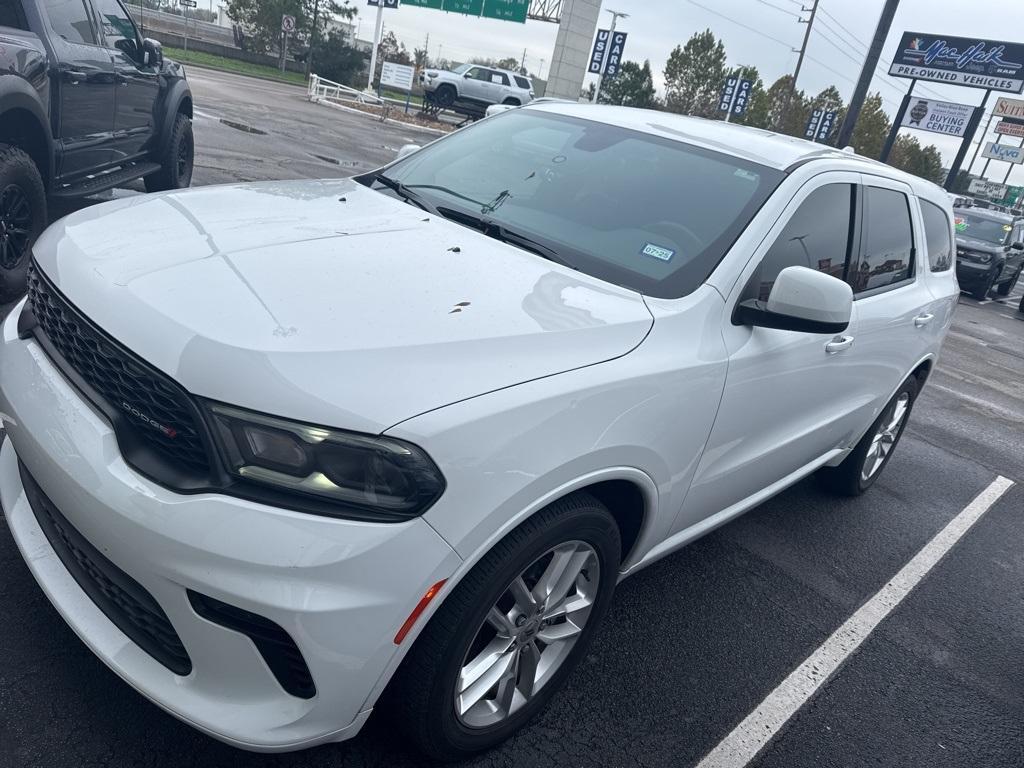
x,y
734,97
378,35
606,57
287,27
819,124
185,5
397,76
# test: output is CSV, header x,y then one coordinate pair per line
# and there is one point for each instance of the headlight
x,y
377,476
984,258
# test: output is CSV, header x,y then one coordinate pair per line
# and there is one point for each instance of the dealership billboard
x,y
966,61
938,116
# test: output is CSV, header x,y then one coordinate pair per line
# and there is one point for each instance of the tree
x,y
694,75
633,86
777,116
962,182
872,128
340,62
908,155
261,20
419,57
390,50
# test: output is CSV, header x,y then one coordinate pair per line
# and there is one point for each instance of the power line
x,y
740,24
780,9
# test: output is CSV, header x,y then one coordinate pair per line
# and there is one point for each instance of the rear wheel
x,y
864,465
177,159
505,639
985,287
22,218
1005,288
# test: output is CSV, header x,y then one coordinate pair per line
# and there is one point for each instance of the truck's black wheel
x,y
176,160
445,96
22,218
1005,288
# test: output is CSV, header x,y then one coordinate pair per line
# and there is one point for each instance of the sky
x,y
763,33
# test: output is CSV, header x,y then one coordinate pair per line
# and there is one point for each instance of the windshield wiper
x,y
405,193
498,232
447,191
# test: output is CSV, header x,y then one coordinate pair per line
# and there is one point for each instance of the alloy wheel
x,y
885,438
15,225
527,634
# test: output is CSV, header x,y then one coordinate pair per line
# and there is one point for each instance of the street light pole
x,y
378,35
616,15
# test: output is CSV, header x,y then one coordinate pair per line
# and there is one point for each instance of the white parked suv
x,y
478,84
276,449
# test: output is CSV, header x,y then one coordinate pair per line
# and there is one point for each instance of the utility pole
x,y
981,141
312,38
866,73
616,15
522,64
800,60
426,51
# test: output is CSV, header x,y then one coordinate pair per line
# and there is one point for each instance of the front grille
x,y
159,412
122,599
276,646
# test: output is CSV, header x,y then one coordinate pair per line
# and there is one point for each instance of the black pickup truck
x,y
86,104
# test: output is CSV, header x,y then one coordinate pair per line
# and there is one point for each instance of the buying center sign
x,y
964,61
938,116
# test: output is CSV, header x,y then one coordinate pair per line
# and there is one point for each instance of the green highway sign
x,y
468,7
435,4
507,10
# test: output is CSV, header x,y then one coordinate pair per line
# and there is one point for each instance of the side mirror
x,y
407,150
802,300
467,75
1017,246
152,53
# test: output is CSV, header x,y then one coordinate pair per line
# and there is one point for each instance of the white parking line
x,y
757,729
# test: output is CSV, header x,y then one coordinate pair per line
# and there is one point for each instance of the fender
x,y
17,93
648,488
177,93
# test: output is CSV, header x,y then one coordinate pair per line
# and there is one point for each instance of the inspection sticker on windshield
x,y
658,252
961,223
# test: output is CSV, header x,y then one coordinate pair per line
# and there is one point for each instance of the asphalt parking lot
x,y
697,641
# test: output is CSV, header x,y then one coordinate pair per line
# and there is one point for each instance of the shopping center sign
x,y
964,61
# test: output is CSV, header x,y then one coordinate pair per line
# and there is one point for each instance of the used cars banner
x,y
960,61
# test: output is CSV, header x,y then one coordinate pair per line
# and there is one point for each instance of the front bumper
x,y
971,273
340,589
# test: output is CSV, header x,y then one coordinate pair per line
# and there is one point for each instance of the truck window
x,y
11,14
70,20
117,26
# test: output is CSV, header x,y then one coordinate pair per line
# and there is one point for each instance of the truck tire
x,y
22,218
982,290
1005,288
176,160
445,95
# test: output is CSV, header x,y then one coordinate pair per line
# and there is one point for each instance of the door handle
x,y
838,344
74,77
922,320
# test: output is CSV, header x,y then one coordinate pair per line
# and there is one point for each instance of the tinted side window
x,y
479,73
11,14
70,20
817,236
936,233
887,249
116,24
522,82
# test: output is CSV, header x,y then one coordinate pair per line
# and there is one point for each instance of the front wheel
x,y
864,465
22,218
177,159
509,634
1005,288
445,96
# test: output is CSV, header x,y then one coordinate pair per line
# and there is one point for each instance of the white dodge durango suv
x,y
280,451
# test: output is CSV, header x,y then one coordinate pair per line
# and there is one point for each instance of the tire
x,y
512,102
22,218
445,95
176,160
850,478
982,291
1005,288
423,695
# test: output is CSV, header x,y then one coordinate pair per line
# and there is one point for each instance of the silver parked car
x,y
476,83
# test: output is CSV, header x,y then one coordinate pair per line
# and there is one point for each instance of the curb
x,y
265,78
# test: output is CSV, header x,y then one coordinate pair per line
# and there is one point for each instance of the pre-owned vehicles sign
x,y
960,61
938,116
1002,152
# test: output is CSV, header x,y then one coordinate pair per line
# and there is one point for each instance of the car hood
x,y
328,302
980,246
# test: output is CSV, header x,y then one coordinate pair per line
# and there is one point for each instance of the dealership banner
x,y
967,61
938,116
1006,128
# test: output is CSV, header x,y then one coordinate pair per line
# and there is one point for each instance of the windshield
x,y
995,231
461,68
649,213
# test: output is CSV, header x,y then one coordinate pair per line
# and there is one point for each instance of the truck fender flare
x,y
18,94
